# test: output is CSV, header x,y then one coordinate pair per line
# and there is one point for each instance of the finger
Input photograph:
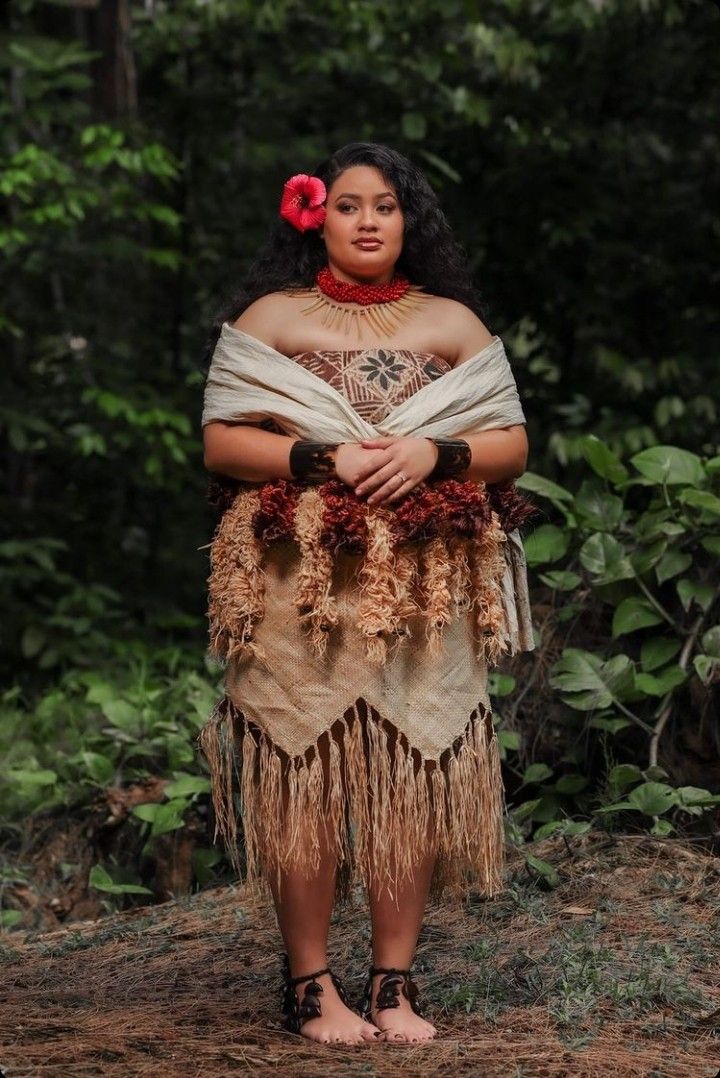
x,y
402,491
377,443
372,467
392,486
381,475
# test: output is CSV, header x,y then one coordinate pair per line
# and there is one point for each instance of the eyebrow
x,y
385,194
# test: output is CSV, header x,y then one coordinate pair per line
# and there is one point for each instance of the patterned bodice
x,y
374,380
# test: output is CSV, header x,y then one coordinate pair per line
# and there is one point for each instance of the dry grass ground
x,y
615,972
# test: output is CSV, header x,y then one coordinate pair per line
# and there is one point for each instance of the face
x,y
363,230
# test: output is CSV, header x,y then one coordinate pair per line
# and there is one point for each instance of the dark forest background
x,y
575,149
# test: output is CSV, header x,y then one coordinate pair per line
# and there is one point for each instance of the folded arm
x,y
245,452
497,455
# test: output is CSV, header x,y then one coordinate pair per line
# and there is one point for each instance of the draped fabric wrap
x,y
357,638
248,382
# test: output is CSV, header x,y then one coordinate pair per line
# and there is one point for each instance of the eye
x,y
386,208
343,207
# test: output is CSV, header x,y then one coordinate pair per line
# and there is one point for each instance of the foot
x,y
337,1024
398,1024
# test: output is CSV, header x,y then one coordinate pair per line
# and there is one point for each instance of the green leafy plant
x,y
632,567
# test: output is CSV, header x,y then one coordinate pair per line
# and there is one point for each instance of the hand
x,y
352,462
413,458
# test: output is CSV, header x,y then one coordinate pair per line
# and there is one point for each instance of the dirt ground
x,y
615,972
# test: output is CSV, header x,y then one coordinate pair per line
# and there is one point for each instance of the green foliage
x,y
639,579
135,717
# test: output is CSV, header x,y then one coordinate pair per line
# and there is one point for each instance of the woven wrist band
x,y
454,458
312,460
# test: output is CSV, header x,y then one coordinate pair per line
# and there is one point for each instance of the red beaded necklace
x,y
352,308
364,294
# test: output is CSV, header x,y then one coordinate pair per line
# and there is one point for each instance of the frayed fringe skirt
x,y
382,763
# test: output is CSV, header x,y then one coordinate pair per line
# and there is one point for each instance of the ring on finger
x,y
401,476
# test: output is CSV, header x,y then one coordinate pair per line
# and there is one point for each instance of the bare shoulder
x,y
464,333
265,317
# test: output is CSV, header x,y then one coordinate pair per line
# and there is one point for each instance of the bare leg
x,y
396,924
304,906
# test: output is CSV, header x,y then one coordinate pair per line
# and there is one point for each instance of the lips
x,y
368,245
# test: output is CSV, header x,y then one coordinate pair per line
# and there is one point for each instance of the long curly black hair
x,y
430,257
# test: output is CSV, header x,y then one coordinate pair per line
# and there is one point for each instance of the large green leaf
x,y
695,591
591,683
537,773
701,499
602,460
546,544
571,784
623,775
711,641
695,795
164,817
632,614
706,666
99,767
121,714
647,557
672,563
668,464
604,557
652,798
658,650
596,508
538,484
102,881
544,869
662,683
184,785
561,579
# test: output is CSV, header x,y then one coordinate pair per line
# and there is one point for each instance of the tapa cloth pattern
x,y
399,755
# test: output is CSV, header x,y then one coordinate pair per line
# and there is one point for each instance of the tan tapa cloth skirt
x,y
390,761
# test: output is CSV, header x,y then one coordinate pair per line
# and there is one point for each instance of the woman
x,y
363,577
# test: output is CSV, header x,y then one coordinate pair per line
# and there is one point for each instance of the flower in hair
x,y
302,202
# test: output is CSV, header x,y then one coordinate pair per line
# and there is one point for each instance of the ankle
x,y
383,967
302,964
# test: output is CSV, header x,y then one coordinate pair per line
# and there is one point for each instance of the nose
x,y
367,221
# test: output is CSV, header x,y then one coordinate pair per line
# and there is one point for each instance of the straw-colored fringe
x,y
381,592
488,567
436,579
460,582
317,607
437,574
376,785
236,585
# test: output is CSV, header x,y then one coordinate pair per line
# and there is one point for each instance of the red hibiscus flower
x,y
302,202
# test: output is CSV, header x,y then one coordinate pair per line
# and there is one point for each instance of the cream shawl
x,y
249,382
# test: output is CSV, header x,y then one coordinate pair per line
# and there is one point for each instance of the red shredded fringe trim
x,y
446,509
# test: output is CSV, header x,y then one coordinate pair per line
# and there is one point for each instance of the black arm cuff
x,y
312,460
454,458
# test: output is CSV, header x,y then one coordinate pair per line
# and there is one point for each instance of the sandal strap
x,y
388,991
300,1011
294,981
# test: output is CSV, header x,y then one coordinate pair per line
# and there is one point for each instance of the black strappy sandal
x,y
392,984
297,1012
